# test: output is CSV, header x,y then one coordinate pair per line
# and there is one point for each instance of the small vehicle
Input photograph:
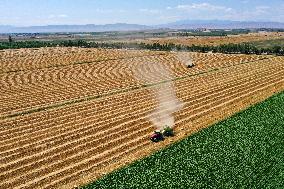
x,y
190,65
157,136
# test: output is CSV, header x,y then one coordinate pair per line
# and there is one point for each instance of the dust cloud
x,y
163,93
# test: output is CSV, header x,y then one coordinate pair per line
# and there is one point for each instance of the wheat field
x,y
71,115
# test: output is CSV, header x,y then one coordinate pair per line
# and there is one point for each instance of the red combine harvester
x,y
158,136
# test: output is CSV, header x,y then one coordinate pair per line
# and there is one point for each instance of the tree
x,y
10,39
276,49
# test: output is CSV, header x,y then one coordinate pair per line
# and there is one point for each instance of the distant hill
x,y
183,24
221,24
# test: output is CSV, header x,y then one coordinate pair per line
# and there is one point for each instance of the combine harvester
x,y
159,135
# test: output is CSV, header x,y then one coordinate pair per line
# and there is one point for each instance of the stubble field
x,y
69,115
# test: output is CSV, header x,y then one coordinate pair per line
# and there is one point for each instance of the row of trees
x,y
243,48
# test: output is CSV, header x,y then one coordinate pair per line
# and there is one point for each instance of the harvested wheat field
x,y
69,115
217,40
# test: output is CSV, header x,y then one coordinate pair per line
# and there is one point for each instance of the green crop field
x,y
244,151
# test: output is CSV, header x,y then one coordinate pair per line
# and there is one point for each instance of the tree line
x,y
243,48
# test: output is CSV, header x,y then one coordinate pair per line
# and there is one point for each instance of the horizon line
x,y
114,23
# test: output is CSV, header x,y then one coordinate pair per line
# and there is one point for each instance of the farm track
x,y
58,146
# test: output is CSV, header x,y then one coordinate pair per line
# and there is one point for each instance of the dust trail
x,y
164,94
185,58
167,105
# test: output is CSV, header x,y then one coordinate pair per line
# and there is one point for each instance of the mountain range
x,y
184,24
73,28
222,24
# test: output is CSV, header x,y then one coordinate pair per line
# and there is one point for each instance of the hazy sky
x,y
46,12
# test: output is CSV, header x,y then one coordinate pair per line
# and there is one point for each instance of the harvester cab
x,y
157,136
